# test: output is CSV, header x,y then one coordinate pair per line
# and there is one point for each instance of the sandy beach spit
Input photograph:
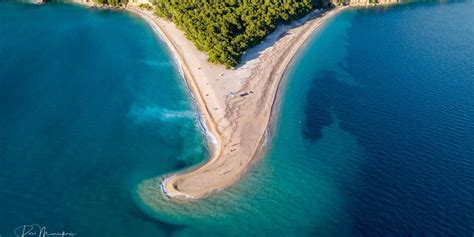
x,y
235,104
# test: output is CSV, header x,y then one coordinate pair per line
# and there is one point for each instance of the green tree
x,y
225,29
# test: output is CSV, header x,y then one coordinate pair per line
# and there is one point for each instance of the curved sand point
x,y
235,105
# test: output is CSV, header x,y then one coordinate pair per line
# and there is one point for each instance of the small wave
x,y
151,113
156,63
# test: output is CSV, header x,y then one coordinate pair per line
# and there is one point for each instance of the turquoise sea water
x,y
375,135
91,104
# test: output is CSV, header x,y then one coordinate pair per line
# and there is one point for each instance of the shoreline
x,y
236,106
198,183
206,121
193,90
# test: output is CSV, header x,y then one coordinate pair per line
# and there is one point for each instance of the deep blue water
x,y
412,112
404,89
375,135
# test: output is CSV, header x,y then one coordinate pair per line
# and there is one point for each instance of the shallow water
x,y
375,135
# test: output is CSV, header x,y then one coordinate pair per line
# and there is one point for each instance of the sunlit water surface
x,y
375,135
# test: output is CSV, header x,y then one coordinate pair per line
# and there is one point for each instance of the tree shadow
x,y
270,40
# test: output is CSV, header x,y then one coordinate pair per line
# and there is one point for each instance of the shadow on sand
x,y
281,31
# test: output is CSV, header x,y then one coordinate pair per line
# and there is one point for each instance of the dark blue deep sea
x,y
405,91
374,135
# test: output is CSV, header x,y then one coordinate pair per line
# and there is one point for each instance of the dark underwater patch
x,y
319,104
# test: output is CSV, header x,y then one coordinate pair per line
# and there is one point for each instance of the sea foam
x,y
149,113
